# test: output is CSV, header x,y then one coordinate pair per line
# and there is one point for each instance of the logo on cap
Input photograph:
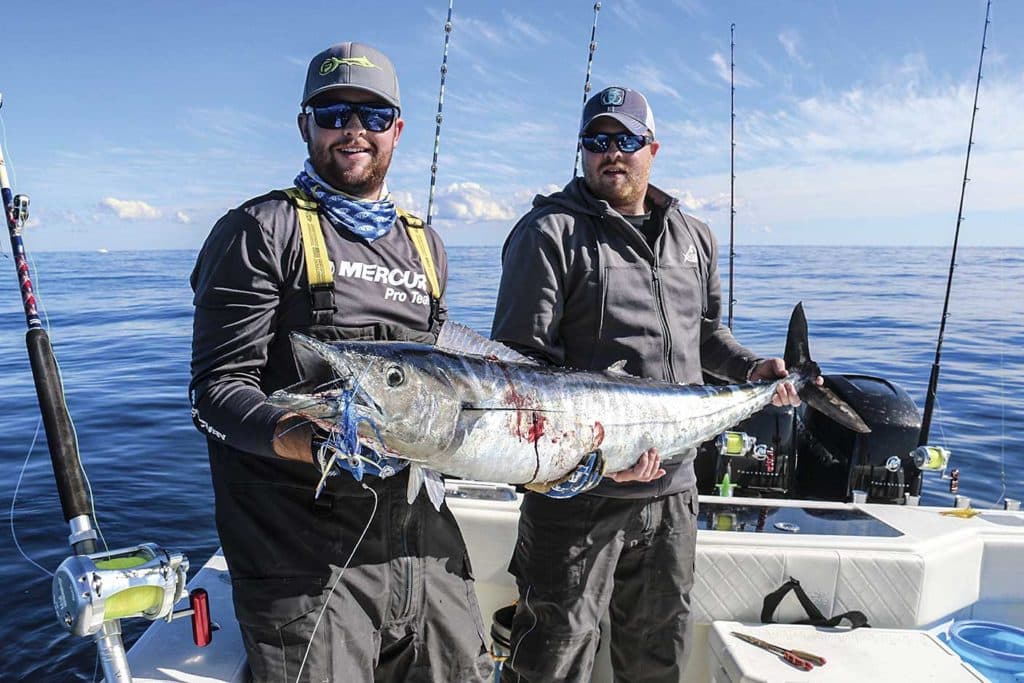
x,y
332,63
613,97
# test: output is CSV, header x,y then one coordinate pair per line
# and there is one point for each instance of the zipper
x,y
670,374
408,563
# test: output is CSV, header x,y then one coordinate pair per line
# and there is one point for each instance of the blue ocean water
x,y
121,327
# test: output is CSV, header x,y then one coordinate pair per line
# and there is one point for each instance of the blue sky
x,y
135,125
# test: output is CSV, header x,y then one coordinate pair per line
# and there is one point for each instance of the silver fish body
x,y
483,417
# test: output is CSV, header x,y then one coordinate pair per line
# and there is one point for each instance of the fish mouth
x,y
332,377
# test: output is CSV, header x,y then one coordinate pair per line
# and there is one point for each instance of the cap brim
x,y
632,125
347,86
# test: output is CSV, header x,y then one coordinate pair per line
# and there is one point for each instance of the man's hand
x,y
293,438
771,369
647,468
586,476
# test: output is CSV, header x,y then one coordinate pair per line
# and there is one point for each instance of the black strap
x,y
856,618
323,306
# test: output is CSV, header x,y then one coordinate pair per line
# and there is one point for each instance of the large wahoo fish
x,y
472,408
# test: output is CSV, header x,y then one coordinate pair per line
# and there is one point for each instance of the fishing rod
x,y
440,114
92,591
60,432
933,381
732,163
586,82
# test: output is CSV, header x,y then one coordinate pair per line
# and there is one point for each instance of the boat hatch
x,y
791,520
1006,519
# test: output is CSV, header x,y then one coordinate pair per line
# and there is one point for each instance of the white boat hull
x,y
938,568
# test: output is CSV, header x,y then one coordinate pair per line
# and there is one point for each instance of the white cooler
x,y
863,655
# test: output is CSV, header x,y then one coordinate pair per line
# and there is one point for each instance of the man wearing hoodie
x,y
608,270
355,584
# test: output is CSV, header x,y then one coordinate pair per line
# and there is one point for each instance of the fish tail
x,y
799,363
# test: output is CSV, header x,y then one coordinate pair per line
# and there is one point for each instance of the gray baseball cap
x,y
352,65
626,106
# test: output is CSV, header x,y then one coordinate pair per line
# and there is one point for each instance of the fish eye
x,y
394,376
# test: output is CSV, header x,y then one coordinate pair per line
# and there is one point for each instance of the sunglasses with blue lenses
x,y
626,142
375,118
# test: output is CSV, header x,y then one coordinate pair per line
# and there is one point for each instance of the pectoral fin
x,y
431,480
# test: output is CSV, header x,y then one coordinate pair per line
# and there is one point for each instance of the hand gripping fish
x,y
472,408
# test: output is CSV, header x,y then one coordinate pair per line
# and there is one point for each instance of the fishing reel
x,y
141,581
740,445
936,459
19,210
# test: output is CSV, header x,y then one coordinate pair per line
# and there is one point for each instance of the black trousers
x,y
576,559
404,609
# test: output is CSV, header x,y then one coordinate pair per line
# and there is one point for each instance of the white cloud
x,y
715,202
878,155
630,12
721,64
790,41
650,80
409,202
130,209
182,217
890,120
691,7
470,201
471,27
523,29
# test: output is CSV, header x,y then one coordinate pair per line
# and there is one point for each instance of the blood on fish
x,y
598,436
537,428
521,402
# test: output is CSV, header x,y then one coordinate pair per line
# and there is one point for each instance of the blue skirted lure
x,y
341,450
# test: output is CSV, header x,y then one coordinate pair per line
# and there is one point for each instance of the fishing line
x,y
323,610
515,650
586,83
17,488
10,164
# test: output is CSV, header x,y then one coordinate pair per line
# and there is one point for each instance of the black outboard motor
x,y
835,461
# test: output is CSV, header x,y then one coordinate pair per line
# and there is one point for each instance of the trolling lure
x,y
343,440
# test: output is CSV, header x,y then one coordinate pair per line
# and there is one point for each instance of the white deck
x,y
939,569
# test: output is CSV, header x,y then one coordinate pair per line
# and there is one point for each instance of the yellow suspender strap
x,y
318,267
414,226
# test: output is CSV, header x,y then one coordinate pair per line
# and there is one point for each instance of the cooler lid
x,y
863,655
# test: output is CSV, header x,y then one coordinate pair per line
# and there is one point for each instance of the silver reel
x,y
145,580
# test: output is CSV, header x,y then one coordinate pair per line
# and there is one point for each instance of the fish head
x,y
401,396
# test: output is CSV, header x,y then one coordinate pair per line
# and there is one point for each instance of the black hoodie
x,y
582,288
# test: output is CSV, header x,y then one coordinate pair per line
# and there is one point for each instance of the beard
x,y
624,188
364,180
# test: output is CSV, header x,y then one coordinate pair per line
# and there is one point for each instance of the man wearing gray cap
x,y
355,584
610,270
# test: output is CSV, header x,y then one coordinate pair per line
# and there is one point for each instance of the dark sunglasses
x,y
375,118
626,142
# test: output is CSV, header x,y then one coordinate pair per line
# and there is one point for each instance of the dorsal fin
x,y
458,338
618,368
